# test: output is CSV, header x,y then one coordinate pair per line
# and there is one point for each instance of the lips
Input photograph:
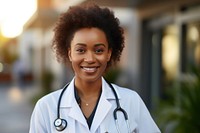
x,y
90,69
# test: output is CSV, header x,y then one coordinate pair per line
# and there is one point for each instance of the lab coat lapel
x,y
69,102
104,106
76,114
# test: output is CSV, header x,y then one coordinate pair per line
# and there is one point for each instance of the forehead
x,y
89,36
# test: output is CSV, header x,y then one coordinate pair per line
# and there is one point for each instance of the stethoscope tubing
x,y
60,98
60,126
119,108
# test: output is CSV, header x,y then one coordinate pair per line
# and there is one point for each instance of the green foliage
x,y
181,114
112,74
47,78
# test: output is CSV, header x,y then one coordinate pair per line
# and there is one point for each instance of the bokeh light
x,y
14,14
1,67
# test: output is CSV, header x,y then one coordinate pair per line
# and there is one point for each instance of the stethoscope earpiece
x,y
60,124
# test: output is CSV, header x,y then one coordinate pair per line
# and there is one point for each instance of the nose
x,y
89,57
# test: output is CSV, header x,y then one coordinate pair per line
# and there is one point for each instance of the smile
x,y
89,69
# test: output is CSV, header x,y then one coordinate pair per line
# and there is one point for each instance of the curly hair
x,y
87,16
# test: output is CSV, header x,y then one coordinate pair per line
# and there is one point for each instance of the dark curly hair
x,y
87,16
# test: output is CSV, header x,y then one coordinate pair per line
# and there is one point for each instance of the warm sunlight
x,y
14,14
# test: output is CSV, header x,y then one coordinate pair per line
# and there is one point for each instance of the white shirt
x,y
45,113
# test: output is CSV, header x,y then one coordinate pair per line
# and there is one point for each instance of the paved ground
x,y
15,109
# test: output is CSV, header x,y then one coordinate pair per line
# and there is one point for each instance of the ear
x,y
69,54
109,54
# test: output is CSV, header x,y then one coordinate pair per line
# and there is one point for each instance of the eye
x,y
99,50
80,50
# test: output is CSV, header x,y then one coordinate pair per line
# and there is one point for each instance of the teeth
x,y
90,69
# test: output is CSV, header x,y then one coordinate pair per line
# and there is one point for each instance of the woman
x,y
90,38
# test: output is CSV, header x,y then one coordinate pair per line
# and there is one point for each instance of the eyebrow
x,y
96,45
81,44
100,44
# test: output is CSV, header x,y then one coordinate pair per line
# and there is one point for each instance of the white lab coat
x,y
45,113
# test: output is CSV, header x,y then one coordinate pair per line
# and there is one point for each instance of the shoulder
x,y
125,91
129,99
49,100
128,96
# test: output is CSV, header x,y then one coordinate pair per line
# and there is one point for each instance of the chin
x,y
91,78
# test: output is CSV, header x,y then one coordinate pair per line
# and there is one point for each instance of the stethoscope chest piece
x,y
60,124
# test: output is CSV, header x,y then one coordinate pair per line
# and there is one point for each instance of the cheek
x,y
103,59
75,59
75,64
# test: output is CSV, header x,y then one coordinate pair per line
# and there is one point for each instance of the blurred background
x,y
161,60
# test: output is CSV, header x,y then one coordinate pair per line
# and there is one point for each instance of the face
x,y
89,54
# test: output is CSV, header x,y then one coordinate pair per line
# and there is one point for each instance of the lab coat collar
x,y
108,91
68,98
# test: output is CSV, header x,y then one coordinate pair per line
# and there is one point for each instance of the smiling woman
x,y
14,14
90,39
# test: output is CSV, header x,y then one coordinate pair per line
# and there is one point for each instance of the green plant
x,y
112,74
47,78
181,113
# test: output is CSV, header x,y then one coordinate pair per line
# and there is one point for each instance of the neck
x,y
88,90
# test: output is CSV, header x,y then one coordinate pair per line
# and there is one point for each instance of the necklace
x,y
89,102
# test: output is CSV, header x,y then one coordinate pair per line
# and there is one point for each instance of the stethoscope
x,y
60,124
